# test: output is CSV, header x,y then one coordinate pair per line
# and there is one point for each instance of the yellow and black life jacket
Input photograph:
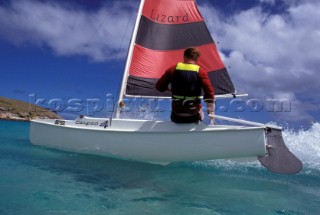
x,y
186,83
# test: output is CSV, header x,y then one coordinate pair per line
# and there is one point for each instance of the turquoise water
x,y
35,180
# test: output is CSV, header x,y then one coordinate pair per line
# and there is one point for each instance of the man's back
x,y
187,80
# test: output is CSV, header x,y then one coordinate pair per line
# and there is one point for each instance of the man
x,y
187,80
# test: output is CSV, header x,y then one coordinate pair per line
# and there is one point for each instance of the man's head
x,y
191,54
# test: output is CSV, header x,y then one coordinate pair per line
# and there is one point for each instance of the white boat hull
x,y
149,141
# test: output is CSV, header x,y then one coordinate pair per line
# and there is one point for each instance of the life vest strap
x,y
185,97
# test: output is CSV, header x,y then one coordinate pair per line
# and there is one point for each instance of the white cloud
x,y
275,55
101,35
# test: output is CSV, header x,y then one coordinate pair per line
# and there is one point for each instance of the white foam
x,y
305,144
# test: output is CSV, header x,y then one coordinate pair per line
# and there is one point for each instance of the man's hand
x,y
212,118
211,108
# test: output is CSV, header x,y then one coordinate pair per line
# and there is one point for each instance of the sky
x,y
60,53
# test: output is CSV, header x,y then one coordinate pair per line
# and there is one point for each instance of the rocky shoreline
x,y
16,110
7,115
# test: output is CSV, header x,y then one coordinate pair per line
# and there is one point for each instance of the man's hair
x,y
191,53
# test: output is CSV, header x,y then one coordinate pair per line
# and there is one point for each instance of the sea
x,y
39,181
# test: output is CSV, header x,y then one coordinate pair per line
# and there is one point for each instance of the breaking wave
x,y
305,144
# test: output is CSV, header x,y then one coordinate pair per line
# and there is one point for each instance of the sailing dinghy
x,y
163,29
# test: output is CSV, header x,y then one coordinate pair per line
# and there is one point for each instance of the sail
x,y
165,28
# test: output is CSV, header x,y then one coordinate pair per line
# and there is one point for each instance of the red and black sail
x,y
166,28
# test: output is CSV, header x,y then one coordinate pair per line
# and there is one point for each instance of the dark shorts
x,y
185,119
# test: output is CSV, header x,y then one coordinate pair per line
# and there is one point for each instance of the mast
x,y
129,57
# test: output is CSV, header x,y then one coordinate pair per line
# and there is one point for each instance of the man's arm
x,y
163,83
208,92
207,87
